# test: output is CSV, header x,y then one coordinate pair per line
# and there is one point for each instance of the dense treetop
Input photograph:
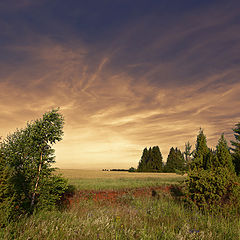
x,y
151,160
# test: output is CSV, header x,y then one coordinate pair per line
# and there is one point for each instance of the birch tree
x,y
27,154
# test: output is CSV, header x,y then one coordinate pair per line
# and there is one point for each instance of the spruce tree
x,y
223,156
180,162
236,148
149,163
170,166
142,165
175,161
210,159
151,160
157,159
188,154
201,154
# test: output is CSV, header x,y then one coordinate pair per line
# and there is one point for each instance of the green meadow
x,y
162,216
106,180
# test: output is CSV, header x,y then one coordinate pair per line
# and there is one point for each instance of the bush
x,y
213,190
132,169
52,190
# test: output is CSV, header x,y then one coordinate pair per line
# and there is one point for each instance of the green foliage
x,y
51,191
8,201
157,158
188,153
151,160
25,166
212,183
236,148
202,155
143,161
175,161
170,164
213,189
223,156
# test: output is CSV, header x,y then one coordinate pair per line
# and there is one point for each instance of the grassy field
x,y
93,174
129,217
100,180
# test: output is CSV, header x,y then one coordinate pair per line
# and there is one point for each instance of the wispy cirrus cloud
x,y
154,80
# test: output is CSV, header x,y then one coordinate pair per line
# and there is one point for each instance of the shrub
x,y
213,190
132,169
52,190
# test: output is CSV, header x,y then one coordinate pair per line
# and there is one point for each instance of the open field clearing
x,y
145,218
92,174
100,180
124,206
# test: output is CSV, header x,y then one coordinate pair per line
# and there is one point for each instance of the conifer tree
x,y
175,161
188,153
142,165
201,154
180,162
151,160
236,148
210,159
170,166
223,156
157,159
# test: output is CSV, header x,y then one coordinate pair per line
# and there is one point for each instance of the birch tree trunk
x,y
37,181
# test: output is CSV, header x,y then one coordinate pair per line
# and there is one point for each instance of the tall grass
x,y
130,218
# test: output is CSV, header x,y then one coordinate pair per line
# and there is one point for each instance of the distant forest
x,y
181,162
152,160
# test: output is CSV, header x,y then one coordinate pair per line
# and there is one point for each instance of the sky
x,y
126,74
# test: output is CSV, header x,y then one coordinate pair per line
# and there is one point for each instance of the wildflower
x,y
193,231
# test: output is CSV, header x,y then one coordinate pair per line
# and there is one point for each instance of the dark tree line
x,y
202,157
206,158
212,183
152,161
